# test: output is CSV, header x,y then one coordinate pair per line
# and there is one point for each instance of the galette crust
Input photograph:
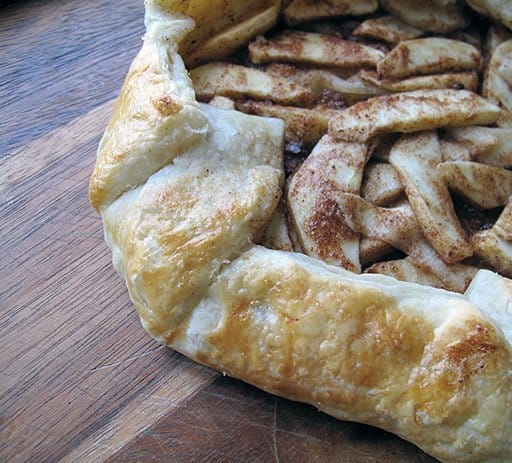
x,y
185,191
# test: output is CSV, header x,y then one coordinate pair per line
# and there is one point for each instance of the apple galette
x,y
315,197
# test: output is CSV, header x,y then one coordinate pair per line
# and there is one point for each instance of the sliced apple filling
x,y
398,132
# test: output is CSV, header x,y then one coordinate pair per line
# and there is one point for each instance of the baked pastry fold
x,y
186,191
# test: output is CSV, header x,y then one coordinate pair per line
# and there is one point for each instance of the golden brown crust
x,y
172,234
410,359
182,217
155,117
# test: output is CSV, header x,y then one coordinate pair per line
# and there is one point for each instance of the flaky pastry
x,y
187,190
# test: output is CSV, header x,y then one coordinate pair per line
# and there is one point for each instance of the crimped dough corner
x,y
185,191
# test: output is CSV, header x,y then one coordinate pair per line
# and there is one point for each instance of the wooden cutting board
x,y
79,378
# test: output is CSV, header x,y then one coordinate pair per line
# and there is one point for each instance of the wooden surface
x,y
79,378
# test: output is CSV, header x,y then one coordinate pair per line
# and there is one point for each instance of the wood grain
x,y
60,59
79,379
261,428
82,362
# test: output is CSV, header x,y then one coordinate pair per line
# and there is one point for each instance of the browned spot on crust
x,y
445,388
166,106
374,341
472,352
366,342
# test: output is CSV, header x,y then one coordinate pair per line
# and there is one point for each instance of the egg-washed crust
x,y
185,190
